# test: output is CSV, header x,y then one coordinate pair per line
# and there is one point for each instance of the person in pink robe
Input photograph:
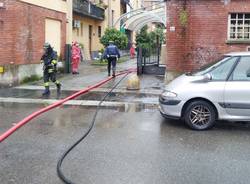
x,y
75,58
132,52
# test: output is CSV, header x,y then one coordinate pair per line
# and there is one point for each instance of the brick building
x,y
201,31
24,26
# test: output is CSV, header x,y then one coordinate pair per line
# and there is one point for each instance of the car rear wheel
x,y
200,115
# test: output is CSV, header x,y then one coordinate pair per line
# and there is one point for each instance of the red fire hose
x,y
56,104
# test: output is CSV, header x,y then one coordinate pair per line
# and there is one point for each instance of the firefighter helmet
x,y
46,45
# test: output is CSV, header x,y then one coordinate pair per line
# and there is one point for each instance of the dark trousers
x,y
111,61
49,76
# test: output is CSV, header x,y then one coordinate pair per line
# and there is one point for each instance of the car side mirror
x,y
207,77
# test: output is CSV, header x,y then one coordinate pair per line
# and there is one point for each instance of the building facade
x,y
201,31
24,27
88,26
91,19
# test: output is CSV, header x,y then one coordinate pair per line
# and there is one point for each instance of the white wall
x,y
58,5
53,34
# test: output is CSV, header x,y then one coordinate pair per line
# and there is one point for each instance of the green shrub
x,y
120,39
31,78
148,41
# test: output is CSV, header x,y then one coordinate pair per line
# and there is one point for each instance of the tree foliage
x,y
161,34
143,39
120,39
150,40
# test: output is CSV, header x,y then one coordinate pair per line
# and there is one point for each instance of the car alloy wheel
x,y
200,115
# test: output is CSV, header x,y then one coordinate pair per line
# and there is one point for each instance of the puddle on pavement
x,y
21,105
120,97
125,107
139,107
130,102
97,96
34,94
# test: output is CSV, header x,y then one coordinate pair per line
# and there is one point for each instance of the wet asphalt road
x,y
135,147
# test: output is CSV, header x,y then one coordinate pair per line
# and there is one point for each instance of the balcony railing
x,y
85,8
125,2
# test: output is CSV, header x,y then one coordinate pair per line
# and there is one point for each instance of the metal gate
x,y
148,61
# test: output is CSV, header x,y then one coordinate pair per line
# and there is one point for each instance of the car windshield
x,y
208,67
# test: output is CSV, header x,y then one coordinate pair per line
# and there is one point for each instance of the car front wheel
x,y
200,115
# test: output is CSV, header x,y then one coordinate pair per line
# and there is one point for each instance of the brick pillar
x,y
175,37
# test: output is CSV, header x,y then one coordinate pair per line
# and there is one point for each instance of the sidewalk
x,y
31,93
90,74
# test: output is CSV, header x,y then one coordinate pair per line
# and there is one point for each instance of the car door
x,y
237,91
220,72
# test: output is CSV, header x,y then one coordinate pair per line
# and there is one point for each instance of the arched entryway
x,y
134,21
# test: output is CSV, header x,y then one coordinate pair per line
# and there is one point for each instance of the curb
x,y
86,103
121,90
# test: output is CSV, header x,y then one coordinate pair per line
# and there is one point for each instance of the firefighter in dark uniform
x,y
49,60
111,53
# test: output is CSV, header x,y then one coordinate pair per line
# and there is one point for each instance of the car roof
x,y
238,54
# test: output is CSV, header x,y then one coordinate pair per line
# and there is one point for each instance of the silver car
x,y
220,91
